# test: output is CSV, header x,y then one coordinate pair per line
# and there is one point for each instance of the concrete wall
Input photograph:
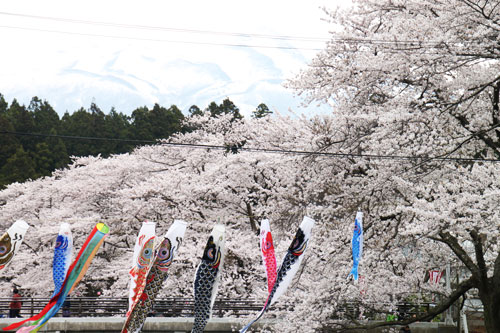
x,y
152,325
182,325
423,328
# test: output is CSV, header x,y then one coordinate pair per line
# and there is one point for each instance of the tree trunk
x,y
491,304
253,223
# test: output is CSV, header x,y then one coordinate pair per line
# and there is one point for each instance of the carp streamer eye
x,y
299,250
210,253
146,253
3,249
216,261
165,256
297,242
164,251
61,242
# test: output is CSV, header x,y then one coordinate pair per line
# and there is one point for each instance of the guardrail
x,y
116,307
184,306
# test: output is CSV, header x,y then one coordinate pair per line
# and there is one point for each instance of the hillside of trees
x,y
34,139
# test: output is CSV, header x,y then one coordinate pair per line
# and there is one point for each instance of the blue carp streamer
x,y
357,245
289,266
62,256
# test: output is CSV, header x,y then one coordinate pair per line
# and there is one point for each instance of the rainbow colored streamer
x,y
75,273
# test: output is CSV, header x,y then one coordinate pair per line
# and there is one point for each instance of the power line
x,y
181,30
353,40
391,46
374,42
264,150
162,40
70,137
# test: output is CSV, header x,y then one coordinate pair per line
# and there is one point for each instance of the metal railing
x,y
378,311
116,307
184,307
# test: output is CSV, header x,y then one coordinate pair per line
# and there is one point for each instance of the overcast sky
x,y
128,54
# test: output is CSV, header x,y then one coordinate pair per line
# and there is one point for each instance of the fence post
x,y
32,307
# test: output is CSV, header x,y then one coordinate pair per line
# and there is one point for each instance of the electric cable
x,y
264,150
402,45
181,30
163,40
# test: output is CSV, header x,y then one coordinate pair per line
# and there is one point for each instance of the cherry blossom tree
x,y
419,80
198,176
411,142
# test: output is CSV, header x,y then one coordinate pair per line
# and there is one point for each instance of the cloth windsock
x,y
268,256
207,278
141,261
10,242
164,253
62,259
357,245
75,273
289,266
62,256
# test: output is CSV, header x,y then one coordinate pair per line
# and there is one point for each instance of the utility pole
x,y
448,318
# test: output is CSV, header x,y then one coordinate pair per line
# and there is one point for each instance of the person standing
x,y
15,305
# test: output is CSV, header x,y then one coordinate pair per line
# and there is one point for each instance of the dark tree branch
x,y
461,289
116,245
448,239
496,271
478,248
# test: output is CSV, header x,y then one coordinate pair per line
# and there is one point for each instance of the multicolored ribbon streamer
x,y
10,242
165,252
289,266
207,278
357,245
75,273
141,261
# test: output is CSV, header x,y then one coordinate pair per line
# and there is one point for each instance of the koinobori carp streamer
x,y
357,245
141,261
63,251
164,253
207,278
289,266
268,255
10,242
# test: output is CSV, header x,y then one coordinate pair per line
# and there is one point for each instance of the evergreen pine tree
x,y
19,168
